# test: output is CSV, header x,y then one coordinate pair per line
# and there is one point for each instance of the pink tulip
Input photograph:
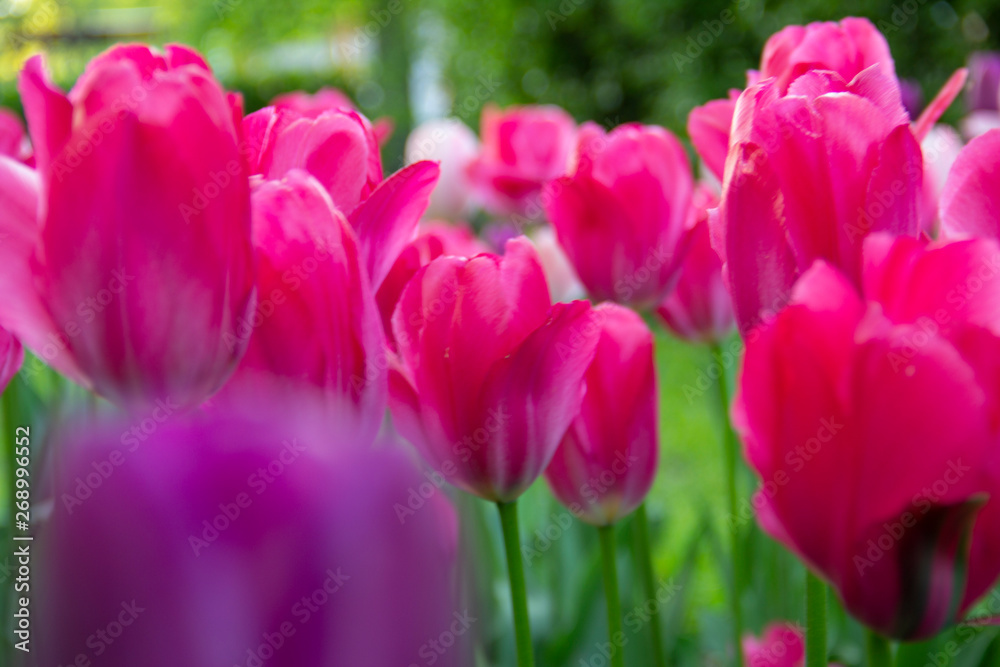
x,y
970,201
233,540
13,141
128,257
780,645
328,99
872,422
490,375
941,147
523,148
709,126
450,142
847,48
338,148
699,308
316,326
11,358
621,214
606,462
435,240
810,175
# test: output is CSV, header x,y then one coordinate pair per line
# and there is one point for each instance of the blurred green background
x,y
611,61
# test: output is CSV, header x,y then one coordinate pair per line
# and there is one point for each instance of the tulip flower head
x,y
699,308
606,462
522,149
490,372
621,214
231,539
871,418
450,142
140,262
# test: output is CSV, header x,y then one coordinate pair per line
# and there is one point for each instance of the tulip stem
x,y
815,621
518,594
878,648
616,637
729,454
644,562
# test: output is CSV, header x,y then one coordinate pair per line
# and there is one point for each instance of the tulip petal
x,y
387,220
708,126
970,202
49,112
952,87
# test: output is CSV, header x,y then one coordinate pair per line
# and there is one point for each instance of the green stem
x,y
518,595
615,635
644,563
729,454
878,648
815,621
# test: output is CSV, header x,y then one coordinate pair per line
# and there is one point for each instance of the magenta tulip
x,y
316,326
606,462
810,175
13,140
140,264
847,48
779,645
490,375
709,127
699,308
338,148
970,201
523,148
229,540
329,99
621,214
435,240
872,422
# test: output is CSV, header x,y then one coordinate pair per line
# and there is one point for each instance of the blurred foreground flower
x,y
11,358
970,201
243,541
141,263
621,214
13,139
873,425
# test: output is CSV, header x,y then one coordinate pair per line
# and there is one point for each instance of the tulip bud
x,y
606,462
489,374
621,214
522,149
699,308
